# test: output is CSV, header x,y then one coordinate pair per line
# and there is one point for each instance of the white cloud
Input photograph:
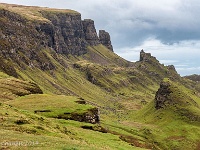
x,y
183,54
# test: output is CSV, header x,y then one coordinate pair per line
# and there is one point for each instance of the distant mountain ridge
x,y
193,77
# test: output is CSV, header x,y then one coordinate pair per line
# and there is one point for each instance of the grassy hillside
x,y
176,125
94,99
25,130
11,88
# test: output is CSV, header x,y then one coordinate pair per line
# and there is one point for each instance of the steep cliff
x,y
104,38
27,31
90,32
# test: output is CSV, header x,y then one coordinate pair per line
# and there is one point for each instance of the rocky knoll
x,y
171,97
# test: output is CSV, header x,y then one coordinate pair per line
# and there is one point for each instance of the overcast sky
x,y
169,29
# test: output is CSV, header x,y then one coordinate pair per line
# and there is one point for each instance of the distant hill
x,y
193,77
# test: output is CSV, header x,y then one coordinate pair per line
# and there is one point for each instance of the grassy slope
x,y
36,132
118,105
55,104
11,88
174,126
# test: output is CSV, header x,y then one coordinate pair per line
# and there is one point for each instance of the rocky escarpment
x,y
64,33
25,37
104,38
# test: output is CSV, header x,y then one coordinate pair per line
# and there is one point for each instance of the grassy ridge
x,y
50,105
34,13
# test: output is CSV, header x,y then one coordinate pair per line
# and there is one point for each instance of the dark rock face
x,y
90,32
104,38
145,56
162,95
65,33
23,40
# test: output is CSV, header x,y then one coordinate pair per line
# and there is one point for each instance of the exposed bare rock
x,y
104,38
90,32
146,56
162,95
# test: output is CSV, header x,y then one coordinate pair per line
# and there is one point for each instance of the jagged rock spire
x,y
144,56
90,32
104,38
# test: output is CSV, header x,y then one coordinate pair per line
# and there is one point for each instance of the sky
x,y
168,29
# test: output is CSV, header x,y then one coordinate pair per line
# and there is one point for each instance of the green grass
x,y
176,126
3,75
34,13
45,133
54,105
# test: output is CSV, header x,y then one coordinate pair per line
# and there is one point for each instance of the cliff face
x,y
104,38
65,33
25,37
90,32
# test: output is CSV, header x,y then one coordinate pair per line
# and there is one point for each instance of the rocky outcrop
x,y
90,32
162,95
91,116
146,57
65,33
104,38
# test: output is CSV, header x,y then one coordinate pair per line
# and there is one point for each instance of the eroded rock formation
x,y
90,32
162,95
104,38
